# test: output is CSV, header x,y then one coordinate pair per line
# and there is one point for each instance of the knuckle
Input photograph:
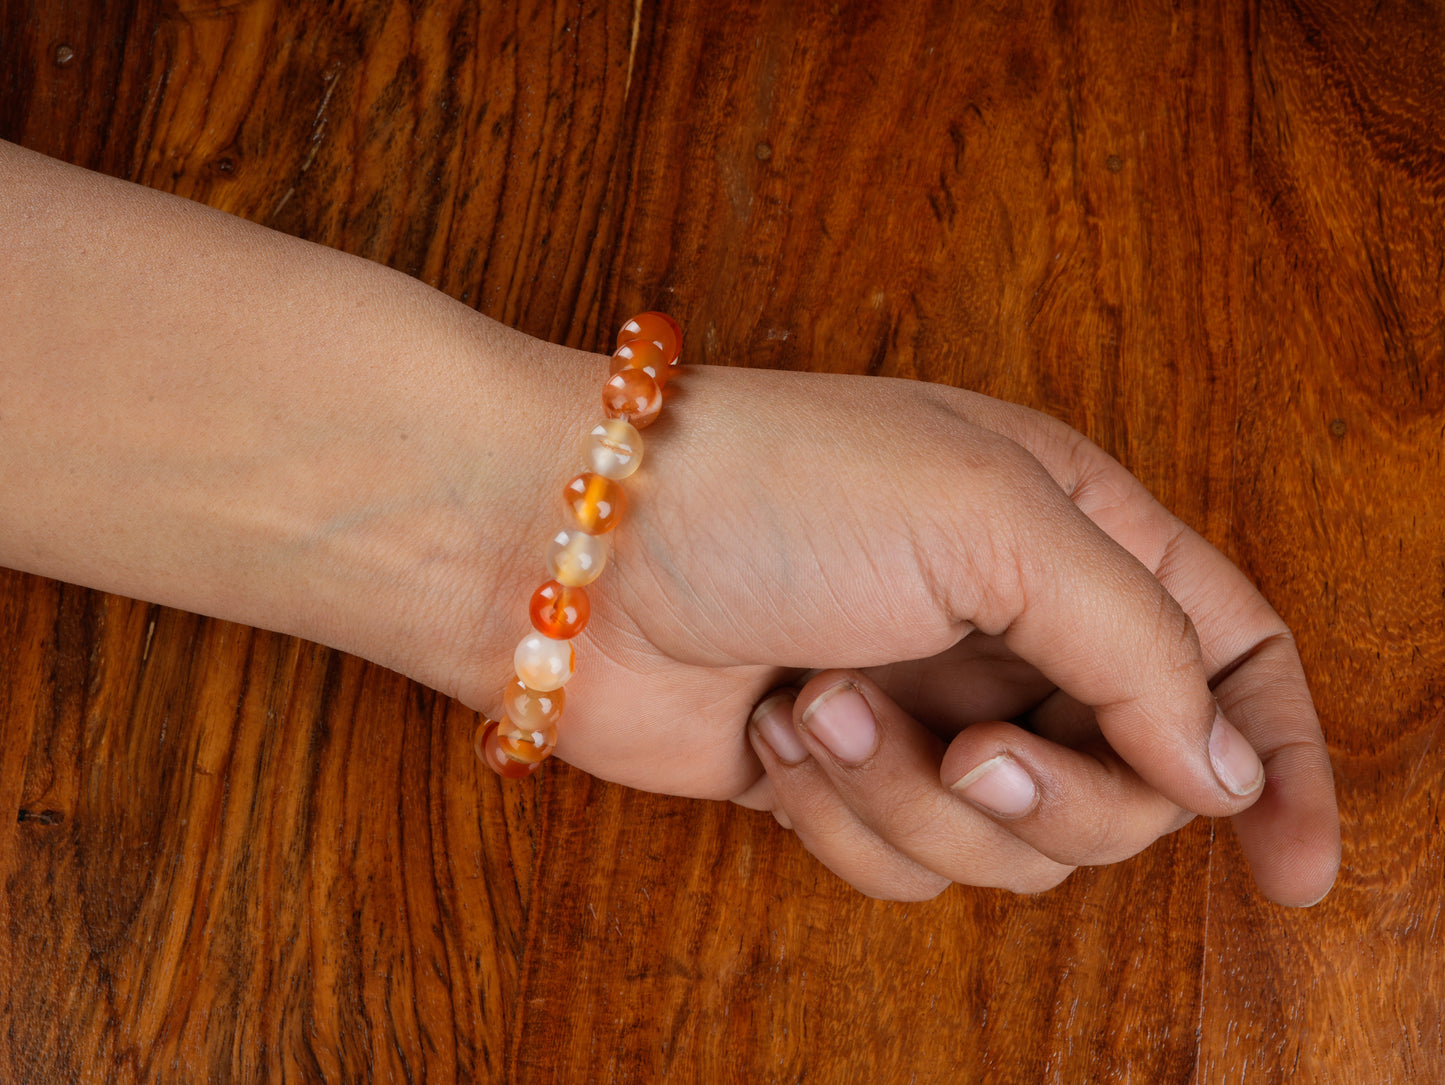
x,y
900,817
1093,479
1101,841
1175,634
1010,468
1096,842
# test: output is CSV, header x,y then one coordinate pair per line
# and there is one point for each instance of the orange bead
x,y
613,448
645,355
529,745
532,708
660,328
575,558
633,396
596,502
559,612
488,747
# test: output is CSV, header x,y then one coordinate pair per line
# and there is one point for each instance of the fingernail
x,y
999,786
773,720
1235,762
842,721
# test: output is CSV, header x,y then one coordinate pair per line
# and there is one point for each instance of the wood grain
x,y
1212,236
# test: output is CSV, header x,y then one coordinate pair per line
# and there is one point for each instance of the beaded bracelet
x,y
648,347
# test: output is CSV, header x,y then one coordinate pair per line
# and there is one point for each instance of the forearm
x,y
201,412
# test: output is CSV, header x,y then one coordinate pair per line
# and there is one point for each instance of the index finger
x,y
1098,624
1291,836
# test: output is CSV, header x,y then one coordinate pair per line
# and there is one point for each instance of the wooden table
x,y
1211,236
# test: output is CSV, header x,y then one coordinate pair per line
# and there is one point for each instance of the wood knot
x,y
43,817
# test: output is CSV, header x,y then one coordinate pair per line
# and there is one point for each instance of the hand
x,y
969,560
364,469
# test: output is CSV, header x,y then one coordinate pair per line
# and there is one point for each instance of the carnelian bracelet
x,y
648,347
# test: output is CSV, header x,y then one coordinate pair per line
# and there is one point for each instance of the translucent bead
x,y
660,328
632,395
558,611
645,355
487,744
613,449
533,708
575,558
596,501
526,744
544,664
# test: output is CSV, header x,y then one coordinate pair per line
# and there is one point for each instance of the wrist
x,y
214,416
427,563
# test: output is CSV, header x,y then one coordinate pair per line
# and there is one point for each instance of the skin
x,y
206,414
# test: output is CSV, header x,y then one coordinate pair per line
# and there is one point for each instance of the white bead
x,y
544,664
575,558
613,449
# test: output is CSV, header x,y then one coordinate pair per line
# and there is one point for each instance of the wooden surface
x,y
1211,236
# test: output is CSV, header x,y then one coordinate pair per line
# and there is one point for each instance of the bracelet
x,y
648,347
